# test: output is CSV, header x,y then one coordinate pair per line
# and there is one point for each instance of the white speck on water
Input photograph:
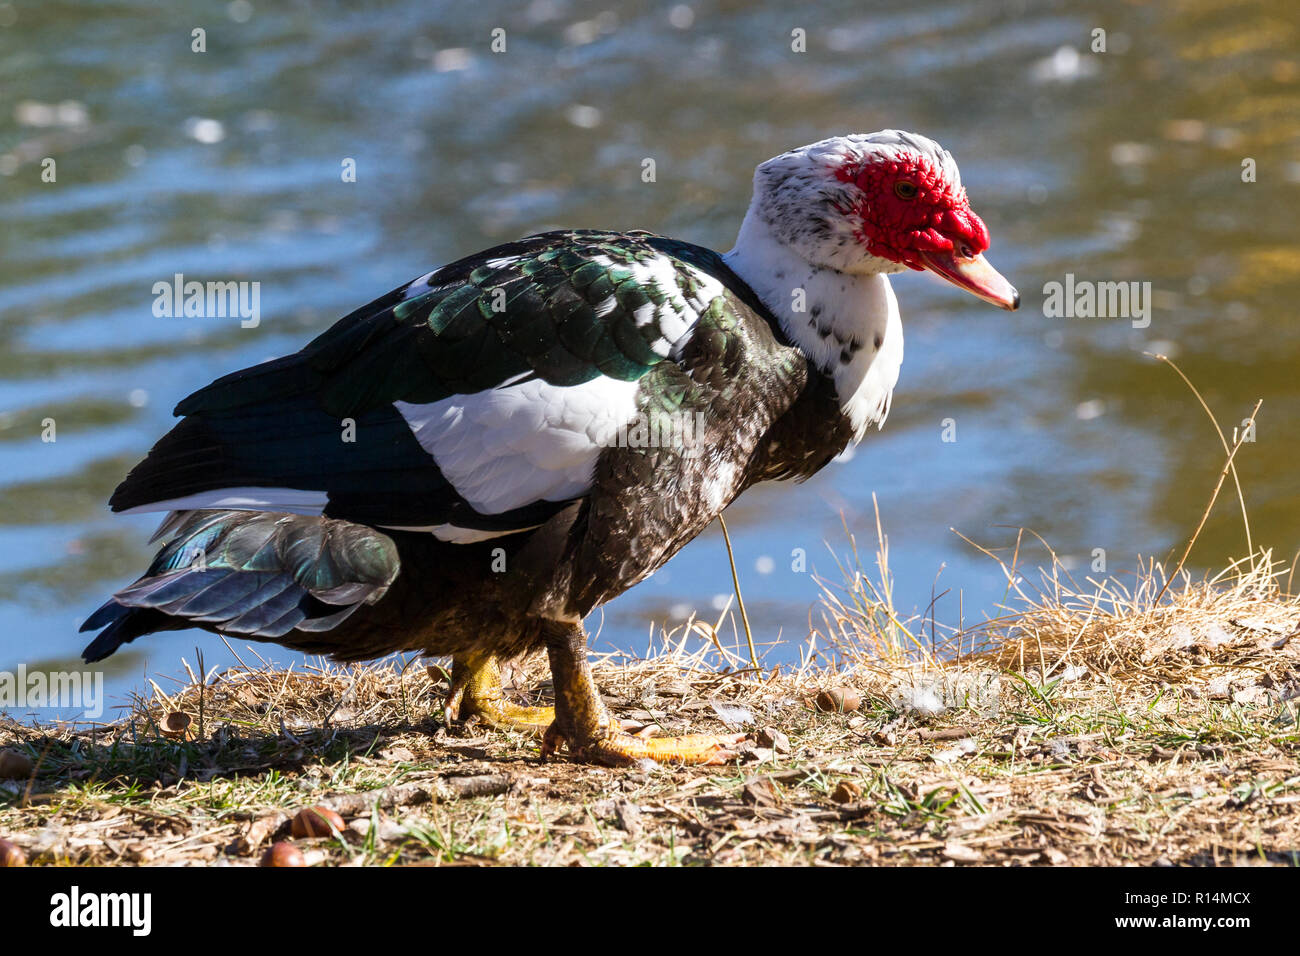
x,y
681,16
135,155
1087,411
1131,154
1184,130
1063,66
67,114
586,31
452,59
719,602
241,11
581,33
205,130
539,11
765,564
138,398
1120,228
583,116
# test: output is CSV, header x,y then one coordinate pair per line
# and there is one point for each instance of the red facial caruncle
x,y
910,213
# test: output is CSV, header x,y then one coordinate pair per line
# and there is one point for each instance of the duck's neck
x,y
847,325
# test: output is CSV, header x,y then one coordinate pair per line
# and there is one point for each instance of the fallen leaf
x,y
960,749
773,738
846,791
733,715
628,815
960,853
760,792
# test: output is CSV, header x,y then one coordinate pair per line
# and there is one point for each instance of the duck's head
x,y
879,202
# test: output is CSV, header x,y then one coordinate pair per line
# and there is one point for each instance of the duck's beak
x,y
975,275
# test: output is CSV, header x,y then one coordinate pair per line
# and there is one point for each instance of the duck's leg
x,y
582,722
476,690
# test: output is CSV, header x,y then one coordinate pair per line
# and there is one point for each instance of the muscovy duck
x,y
461,468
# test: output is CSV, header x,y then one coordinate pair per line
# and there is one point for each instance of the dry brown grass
x,y
1095,725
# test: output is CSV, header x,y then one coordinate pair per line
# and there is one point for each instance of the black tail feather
x,y
125,624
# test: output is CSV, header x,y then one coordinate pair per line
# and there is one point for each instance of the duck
x,y
470,465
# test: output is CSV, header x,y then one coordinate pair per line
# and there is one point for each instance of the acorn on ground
x,y
838,700
283,853
11,854
15,766
175,725
315,821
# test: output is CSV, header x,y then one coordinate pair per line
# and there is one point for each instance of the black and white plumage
x,y
455,465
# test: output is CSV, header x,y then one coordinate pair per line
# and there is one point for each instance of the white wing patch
x,y
513,446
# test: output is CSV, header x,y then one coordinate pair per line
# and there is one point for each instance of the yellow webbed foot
x,y
476,691
582,722
615,748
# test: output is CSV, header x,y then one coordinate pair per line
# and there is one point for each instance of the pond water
x,y
1122,165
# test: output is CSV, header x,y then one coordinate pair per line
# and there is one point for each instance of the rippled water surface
x,y
1123,165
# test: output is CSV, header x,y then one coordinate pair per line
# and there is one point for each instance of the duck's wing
x,y
472,402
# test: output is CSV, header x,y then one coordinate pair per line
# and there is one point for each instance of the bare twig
x,y
735,580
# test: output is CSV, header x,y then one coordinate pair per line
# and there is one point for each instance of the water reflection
x,y
1123,165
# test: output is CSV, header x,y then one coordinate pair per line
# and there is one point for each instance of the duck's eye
x,y
904,189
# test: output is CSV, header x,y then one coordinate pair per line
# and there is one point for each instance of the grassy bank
x,y
1093,725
